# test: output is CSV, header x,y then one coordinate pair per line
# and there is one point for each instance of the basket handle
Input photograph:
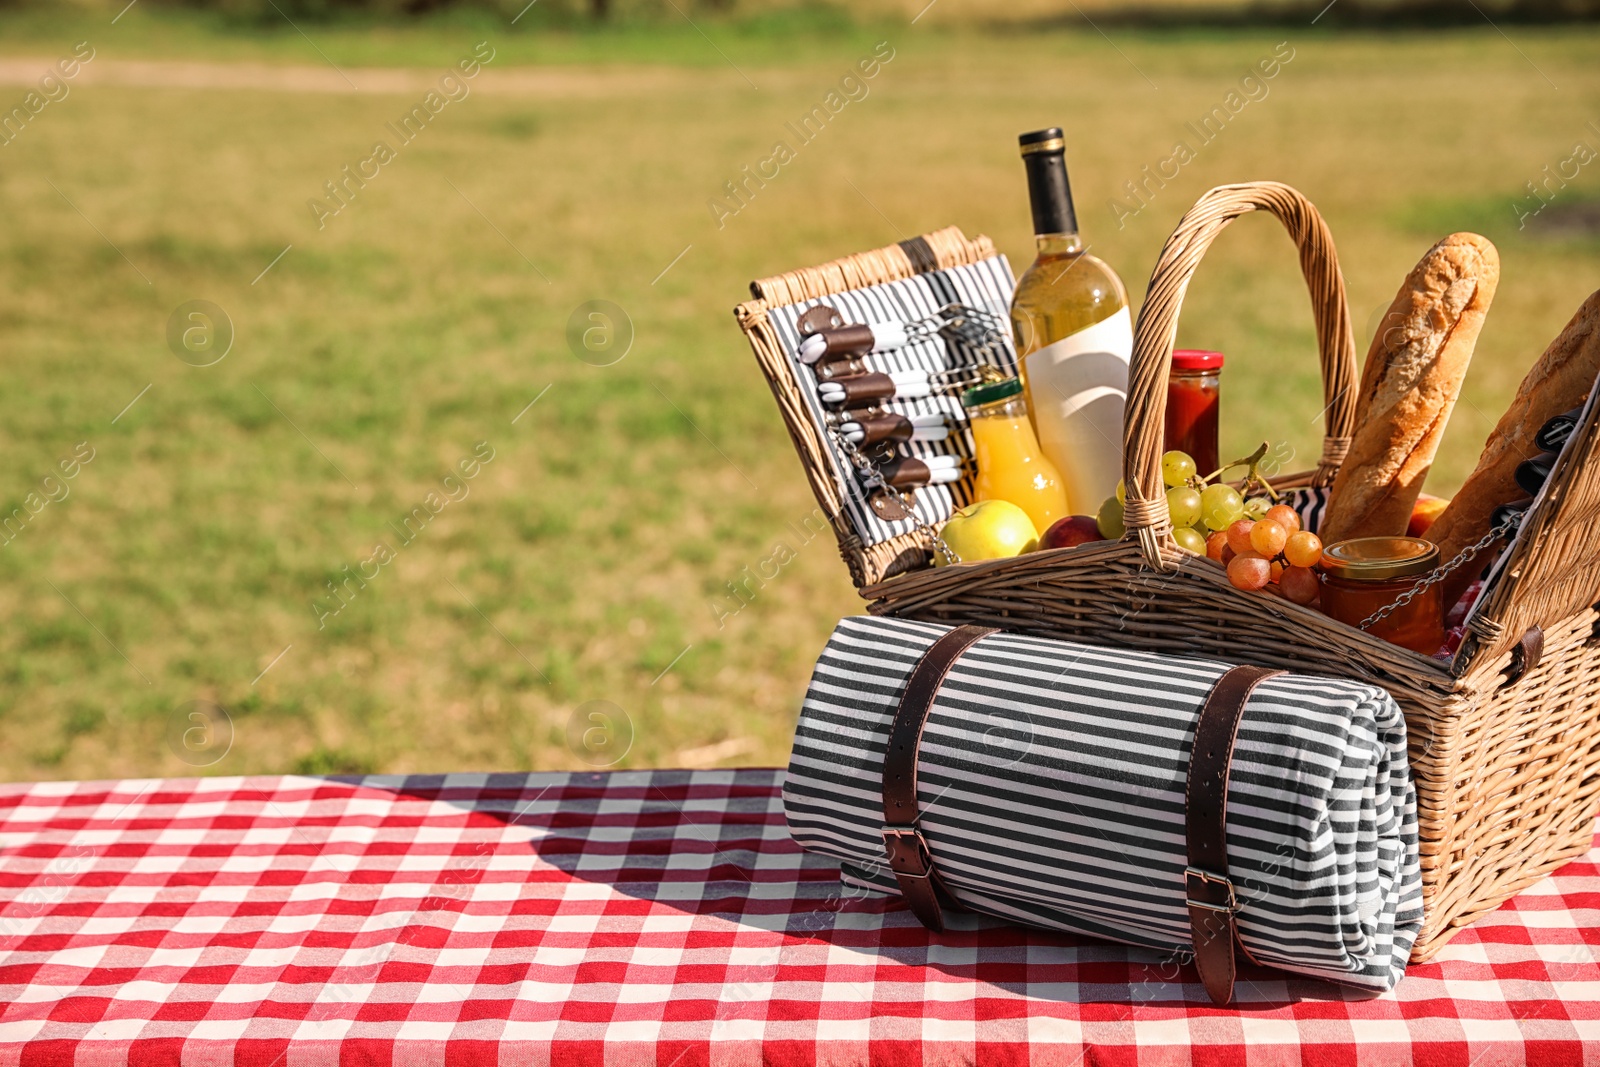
x,y
1146,510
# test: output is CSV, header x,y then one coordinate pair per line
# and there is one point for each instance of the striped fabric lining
x,y
1051,781
988,285
1310,504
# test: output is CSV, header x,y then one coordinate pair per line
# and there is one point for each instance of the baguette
x,y
1558,382
1409,386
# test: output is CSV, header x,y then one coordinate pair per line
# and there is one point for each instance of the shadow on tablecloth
x,y
713,845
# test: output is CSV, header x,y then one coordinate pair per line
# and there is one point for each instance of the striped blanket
x,y
1051,785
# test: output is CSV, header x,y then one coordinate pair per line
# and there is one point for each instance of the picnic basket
x,y
1504,740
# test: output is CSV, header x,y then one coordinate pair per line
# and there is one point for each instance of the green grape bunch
x,y
1198,504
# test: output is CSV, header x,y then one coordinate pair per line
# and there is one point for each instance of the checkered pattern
x,y
660,918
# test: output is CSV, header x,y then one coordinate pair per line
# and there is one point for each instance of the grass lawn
x,y
589,555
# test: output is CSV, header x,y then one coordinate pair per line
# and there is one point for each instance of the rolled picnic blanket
x,y
1051,783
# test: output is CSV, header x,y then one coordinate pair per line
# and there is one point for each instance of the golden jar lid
x,y
1372,559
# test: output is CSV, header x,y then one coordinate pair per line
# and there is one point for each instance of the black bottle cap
x,y
1049,194
1054,133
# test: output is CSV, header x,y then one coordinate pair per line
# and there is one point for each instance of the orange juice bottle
x,y
1011,465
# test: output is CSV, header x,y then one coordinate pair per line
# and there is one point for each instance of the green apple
x,y
989,529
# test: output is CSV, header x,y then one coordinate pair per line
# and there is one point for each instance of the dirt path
x,y
550,82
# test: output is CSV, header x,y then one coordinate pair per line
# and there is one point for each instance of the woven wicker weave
x,y
1506,759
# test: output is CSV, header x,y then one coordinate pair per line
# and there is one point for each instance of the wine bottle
x,y
1073,333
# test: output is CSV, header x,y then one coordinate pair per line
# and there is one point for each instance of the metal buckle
x,y
1190,874
913,862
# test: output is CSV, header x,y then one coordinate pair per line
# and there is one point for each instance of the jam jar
x,y
1365,574
1193,399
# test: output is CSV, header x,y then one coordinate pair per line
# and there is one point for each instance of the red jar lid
x,y
1193,359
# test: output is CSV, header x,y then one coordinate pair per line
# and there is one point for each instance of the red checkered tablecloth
x,y
653,917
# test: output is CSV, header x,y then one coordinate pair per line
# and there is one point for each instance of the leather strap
x,y
905,472
890,426
903,844
920,253
1213,906
1525,656
861,388
847,341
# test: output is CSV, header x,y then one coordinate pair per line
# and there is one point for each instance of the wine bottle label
x,y
1077,388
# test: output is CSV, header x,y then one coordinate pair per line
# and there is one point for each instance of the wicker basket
x,y
1505,741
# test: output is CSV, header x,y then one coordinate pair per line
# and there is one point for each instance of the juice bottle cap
x,y
990,392
1193,359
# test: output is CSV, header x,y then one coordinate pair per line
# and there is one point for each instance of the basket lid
x,y
1193,359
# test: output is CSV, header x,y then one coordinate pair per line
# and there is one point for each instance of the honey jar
x,y
1366,574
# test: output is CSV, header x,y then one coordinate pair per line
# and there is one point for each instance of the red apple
x,y
1072,530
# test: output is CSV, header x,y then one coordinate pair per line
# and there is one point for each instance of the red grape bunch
x,y
1273,548
1259,541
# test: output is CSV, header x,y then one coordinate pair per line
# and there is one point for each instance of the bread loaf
x,y
1409,385
1558,382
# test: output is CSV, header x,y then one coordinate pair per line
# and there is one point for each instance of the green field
x,y
590,558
